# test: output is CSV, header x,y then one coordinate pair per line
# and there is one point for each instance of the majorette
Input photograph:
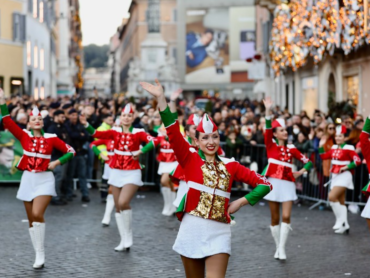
x,y
104,149
167,162
177,174
37,183
204,211
365,149
125,174
280,174
343,159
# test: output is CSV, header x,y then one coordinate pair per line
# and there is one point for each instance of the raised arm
x,y
8,122
178,144
174,96
268,134
324,155
261,187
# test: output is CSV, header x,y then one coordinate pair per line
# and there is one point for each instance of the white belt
x,y
338,162
166,150
110,153
275,161
209,190
125,153
46,156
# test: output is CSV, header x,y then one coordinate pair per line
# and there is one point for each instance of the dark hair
x,y
104,116
58,112
209,31
187,127
179,112
197,134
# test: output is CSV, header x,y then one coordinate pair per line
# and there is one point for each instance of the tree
x,y
96,56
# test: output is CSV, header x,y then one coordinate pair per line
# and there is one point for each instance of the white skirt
x,y
166,167
199,238
366,212
181,191
343,179
36,184
282,191
119,178
107,171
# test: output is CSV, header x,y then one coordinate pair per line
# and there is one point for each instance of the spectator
x,y
303,144
222,131
144,122
57,127
79,141
22,120
49,118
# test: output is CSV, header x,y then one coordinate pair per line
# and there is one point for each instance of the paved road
x,y
77,245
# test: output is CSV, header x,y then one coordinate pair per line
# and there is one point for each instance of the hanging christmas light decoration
x,y
327,26
352,17
316,27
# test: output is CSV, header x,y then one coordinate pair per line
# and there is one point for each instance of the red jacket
x,y
341,156
280,158
166,154
36,150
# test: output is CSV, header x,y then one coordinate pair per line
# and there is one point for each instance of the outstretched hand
x,y
175,95
154,90
268,103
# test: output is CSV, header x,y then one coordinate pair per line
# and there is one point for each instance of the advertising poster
x,y
218,41
10,153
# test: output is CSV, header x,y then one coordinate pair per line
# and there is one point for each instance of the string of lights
x,y
303,29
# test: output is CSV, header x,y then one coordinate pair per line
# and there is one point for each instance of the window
x,y
42,59
2,82
34,8
19,27
174,15
0,23
30,6
35,57
16,85
42,91
36,90
41,12
352,88
29,60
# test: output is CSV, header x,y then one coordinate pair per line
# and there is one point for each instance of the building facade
x,y
338,75
12,39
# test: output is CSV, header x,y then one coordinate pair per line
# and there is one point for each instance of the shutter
x,y
15,26
46,14
23,28
30,6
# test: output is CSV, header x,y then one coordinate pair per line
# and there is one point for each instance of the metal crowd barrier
x,y
309,187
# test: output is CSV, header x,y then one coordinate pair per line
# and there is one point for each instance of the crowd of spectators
x,y
241,126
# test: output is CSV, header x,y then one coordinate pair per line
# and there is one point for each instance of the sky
x,y
100,19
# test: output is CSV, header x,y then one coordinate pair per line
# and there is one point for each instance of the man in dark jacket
x,y
48,120
57,126
80,142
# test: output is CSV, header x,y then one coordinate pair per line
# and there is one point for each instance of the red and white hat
x,y
278,123
128,109
206,125
340,129
194,119
35,112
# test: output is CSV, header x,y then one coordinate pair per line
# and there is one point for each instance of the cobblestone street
x,y
78,246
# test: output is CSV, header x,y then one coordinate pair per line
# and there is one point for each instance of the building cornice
x,y
12,43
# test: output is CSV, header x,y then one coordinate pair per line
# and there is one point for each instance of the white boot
x,y
275,231
344,226
284,232
109,206
32,235
39,237
127,220
121,230
335,206
171,205
166,192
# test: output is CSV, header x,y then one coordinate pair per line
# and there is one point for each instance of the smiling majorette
x,y
280,174
37,184
365,149
343,159
204,238
125,173
104,149
177,174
